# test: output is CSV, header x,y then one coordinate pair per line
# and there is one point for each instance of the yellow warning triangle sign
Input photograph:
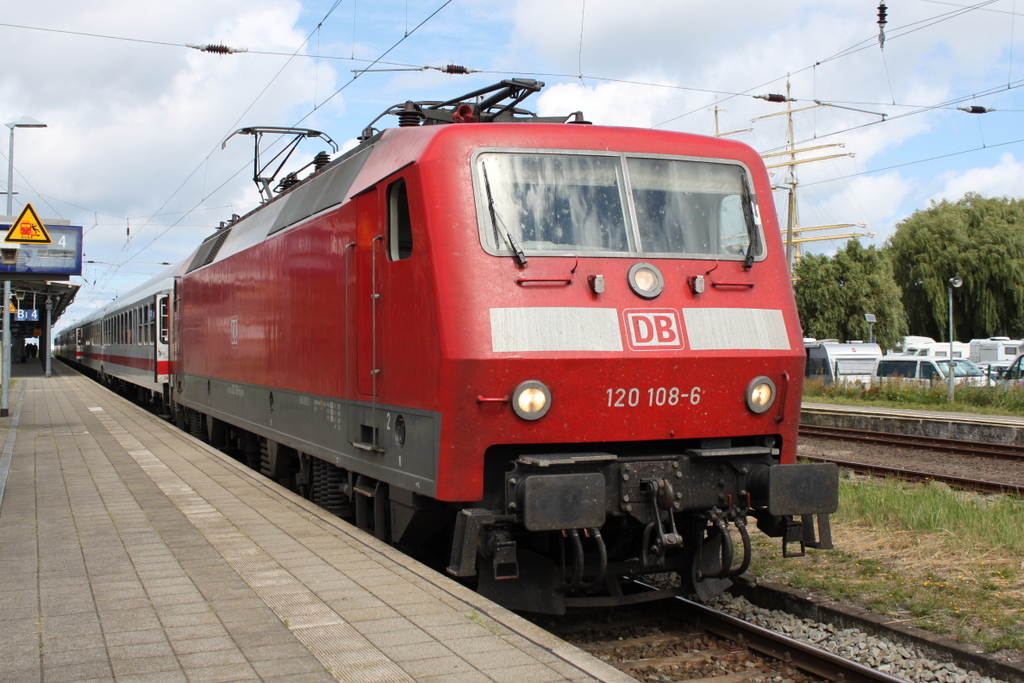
x,y
28,229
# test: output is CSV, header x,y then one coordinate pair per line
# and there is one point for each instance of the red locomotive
x,y
546,354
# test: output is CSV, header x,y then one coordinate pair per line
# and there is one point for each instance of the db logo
x,y
653,329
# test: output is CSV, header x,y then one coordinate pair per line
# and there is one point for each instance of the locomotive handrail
x,y
522,280
782,403
486,399
731,283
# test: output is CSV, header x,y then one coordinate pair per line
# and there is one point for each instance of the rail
x,y
989,450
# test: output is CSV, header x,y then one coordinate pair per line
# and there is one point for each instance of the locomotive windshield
x,y
542,203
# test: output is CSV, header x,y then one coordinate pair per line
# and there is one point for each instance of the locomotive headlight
x,y
531,400
645,280
760,394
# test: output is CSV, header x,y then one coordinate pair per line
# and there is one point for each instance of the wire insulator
x,y
216,48
773,97
974,109
882,12
455,69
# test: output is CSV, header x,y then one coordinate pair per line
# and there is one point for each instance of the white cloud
x,y
1005,179
134,129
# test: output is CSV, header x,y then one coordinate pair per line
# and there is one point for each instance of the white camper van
x,y
995,353
832,361
928,347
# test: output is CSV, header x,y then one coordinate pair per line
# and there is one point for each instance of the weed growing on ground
x,y
945,561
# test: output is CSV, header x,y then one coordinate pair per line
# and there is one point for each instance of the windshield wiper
x,y
748,216
509,239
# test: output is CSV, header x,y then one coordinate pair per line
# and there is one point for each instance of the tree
x,y
834,293
978,239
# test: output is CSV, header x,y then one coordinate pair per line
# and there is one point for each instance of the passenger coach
x,y
125,344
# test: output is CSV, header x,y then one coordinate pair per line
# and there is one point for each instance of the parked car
x,y
1014,374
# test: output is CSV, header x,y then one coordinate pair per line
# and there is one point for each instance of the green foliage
x,y
834,293
982,241
994,400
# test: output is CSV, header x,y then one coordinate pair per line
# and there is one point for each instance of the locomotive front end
x,y
638,396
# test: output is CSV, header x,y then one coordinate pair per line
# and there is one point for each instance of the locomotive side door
x,y
367,292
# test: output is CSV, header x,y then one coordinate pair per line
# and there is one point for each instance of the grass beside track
x,y
993,400
946,561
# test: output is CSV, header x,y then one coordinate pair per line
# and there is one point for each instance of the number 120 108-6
x,y
660,396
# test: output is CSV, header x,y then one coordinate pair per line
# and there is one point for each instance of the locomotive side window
x,y
570,203
399,222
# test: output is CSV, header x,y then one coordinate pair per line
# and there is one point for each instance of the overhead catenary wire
x,y
918,109
329,98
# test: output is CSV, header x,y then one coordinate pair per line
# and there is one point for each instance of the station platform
x,y
991,429
131,552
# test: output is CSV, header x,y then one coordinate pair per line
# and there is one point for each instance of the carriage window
x,y
574,203
399,222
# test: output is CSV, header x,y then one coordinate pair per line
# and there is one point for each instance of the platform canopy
x,y
31,295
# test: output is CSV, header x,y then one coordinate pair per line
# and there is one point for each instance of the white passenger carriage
x,y
126,343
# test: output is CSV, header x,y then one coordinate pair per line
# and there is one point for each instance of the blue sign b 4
x,y
26,315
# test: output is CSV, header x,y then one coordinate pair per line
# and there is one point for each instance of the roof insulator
x,y
975,109
410,115
774,97
320,160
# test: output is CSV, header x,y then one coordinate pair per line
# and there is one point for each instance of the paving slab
x,y
130,551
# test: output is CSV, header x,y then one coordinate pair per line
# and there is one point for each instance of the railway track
x,y
960,474
795,653
685,640
913,475
989,450
680,640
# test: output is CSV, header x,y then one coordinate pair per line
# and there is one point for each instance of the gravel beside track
x,y
883,654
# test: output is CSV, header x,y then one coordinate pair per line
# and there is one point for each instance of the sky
x,y
138,147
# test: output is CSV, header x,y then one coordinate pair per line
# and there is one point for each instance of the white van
x,y
922,369
832,362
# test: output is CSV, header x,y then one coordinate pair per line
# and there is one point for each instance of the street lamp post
x,y
5,376
954,281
